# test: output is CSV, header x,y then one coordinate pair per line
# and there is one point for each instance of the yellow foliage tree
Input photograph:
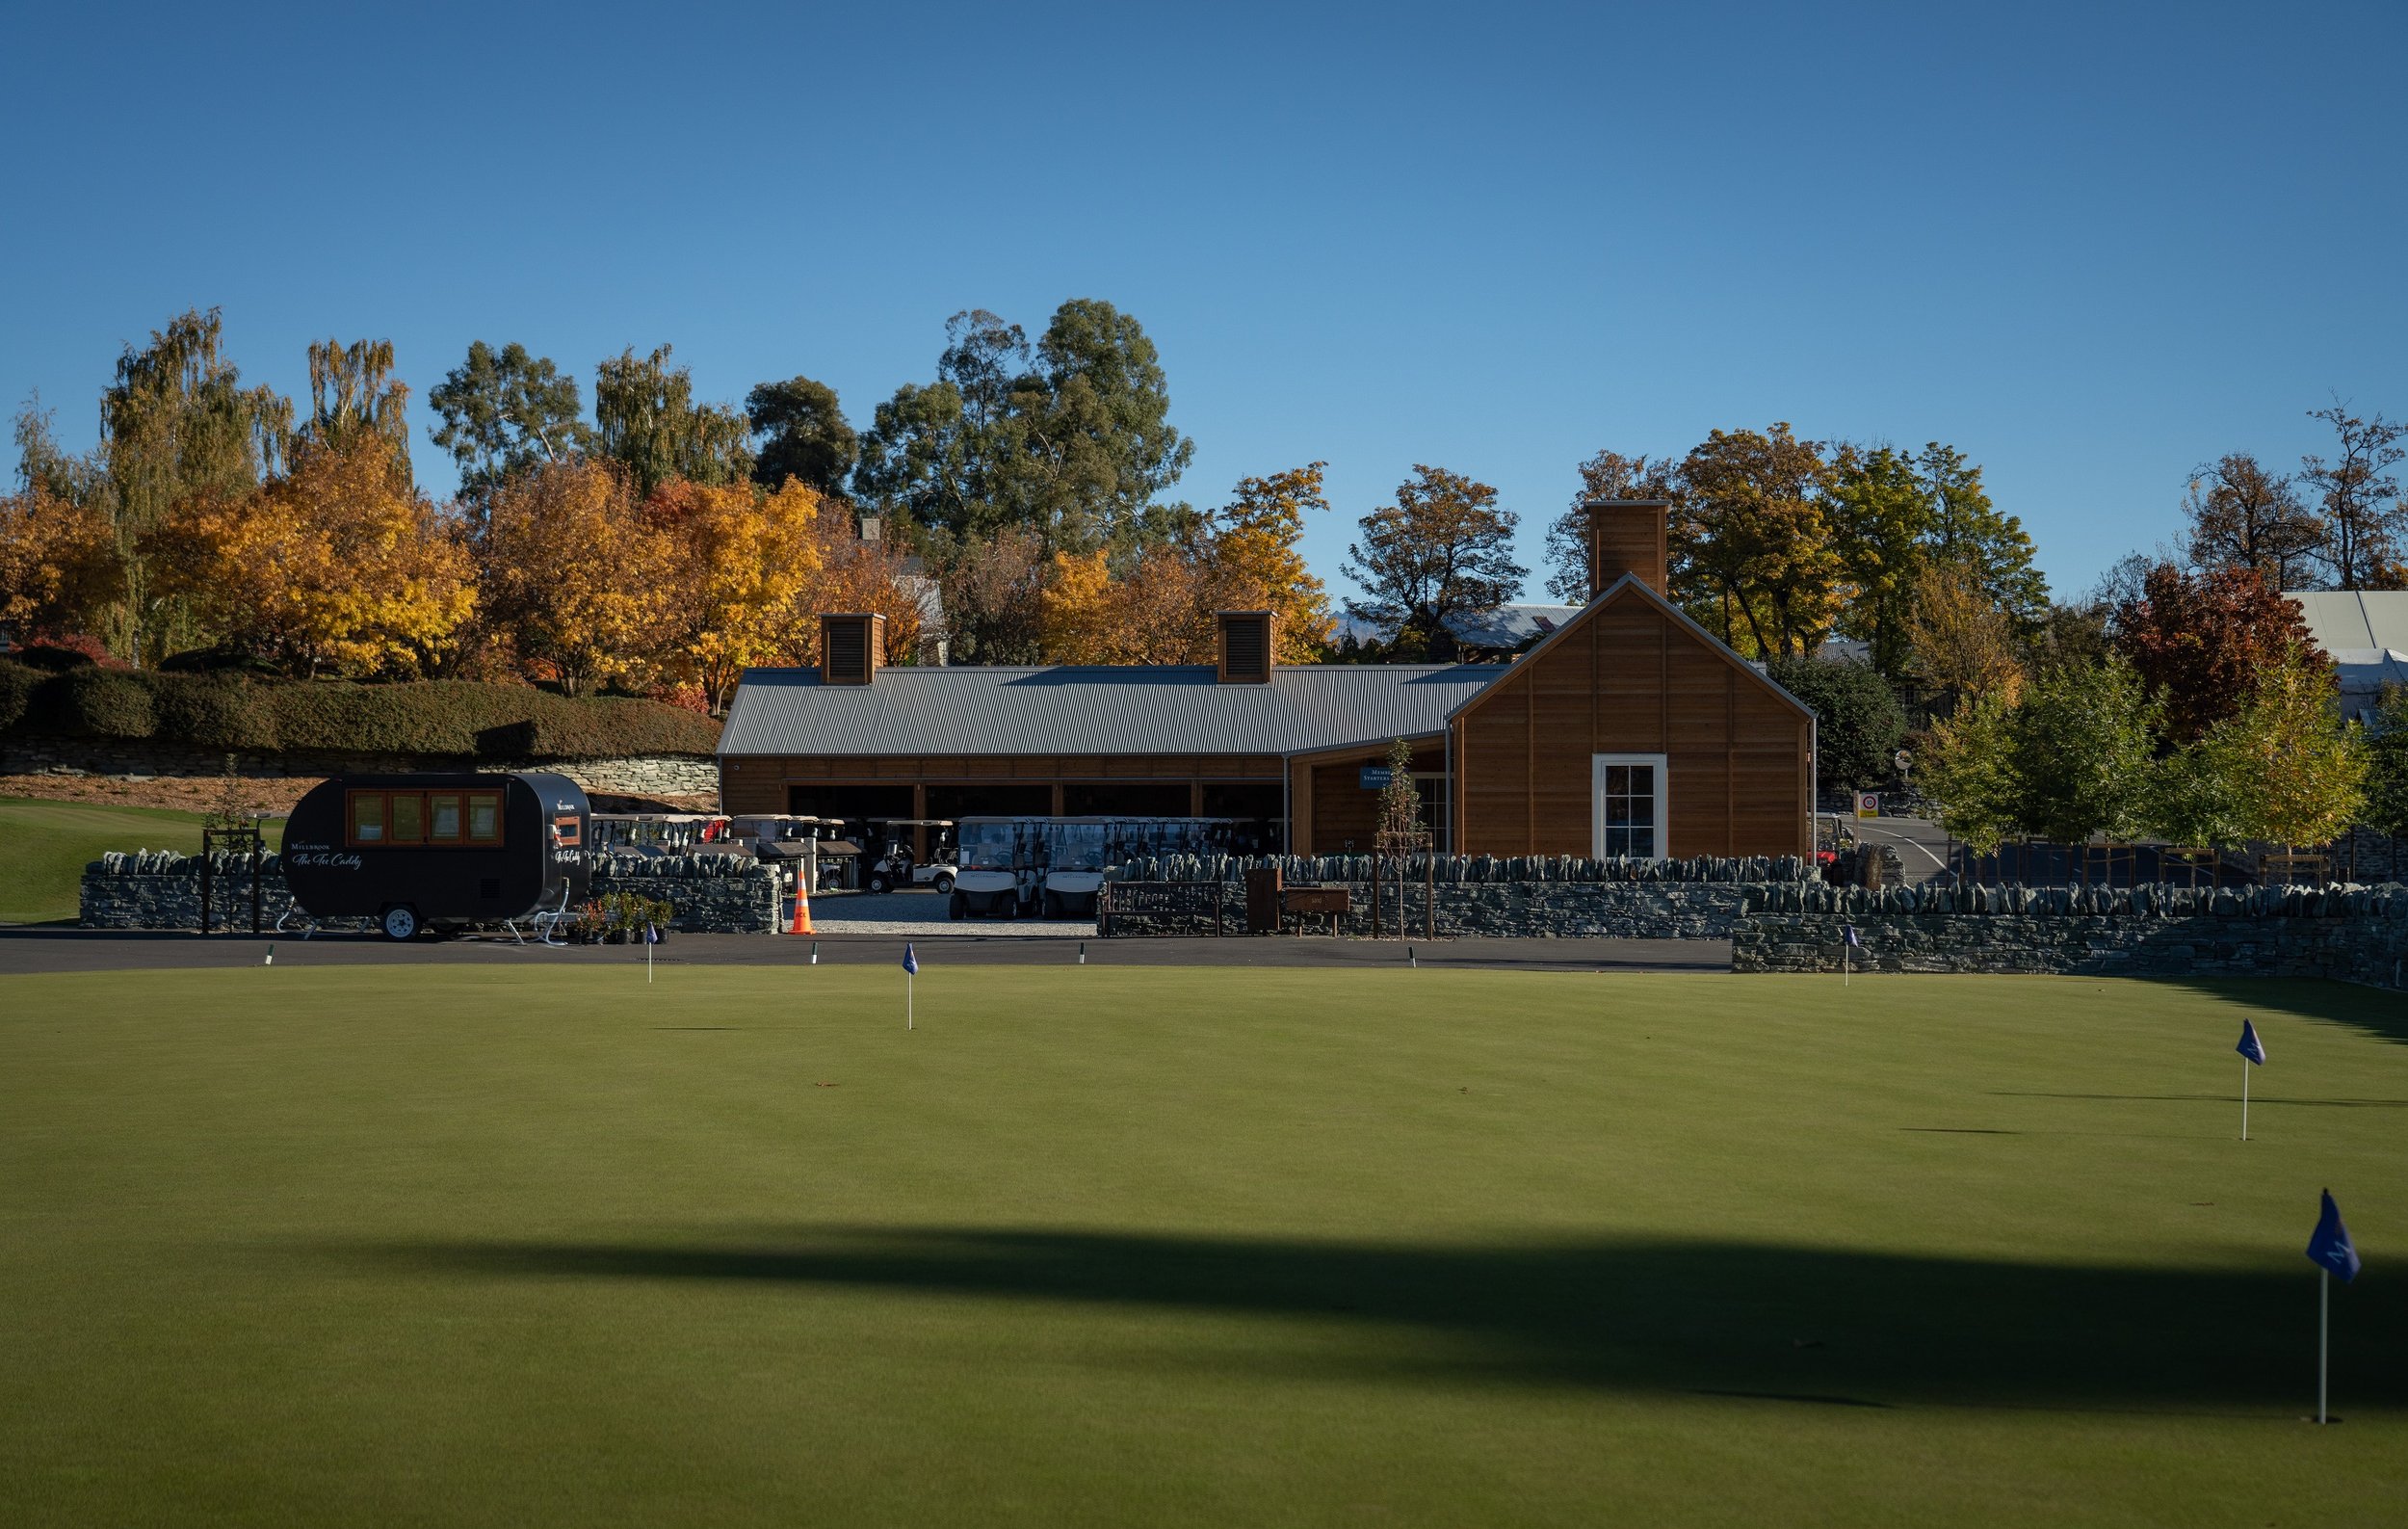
x,y
1074,612
1255,565
747,571
573,574
1962,639
61,570
338,565
875,576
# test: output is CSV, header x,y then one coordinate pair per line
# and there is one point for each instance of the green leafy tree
x,y
1967,766
2296,770
1069,439
1968,532
175,425
805,436
2084,754
2194,800
2386,765
1882,521
1608,474
1442,548
354,398
1858,722
505,413
1400,799
647,420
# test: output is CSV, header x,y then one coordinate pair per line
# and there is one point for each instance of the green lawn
x,y
49,843
473,1245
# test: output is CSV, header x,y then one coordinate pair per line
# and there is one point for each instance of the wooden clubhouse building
x,y
1627,730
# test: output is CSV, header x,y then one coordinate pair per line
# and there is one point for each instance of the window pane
x,y
1618,780
408,817
1642,809
564,827
367,817
1643,843
443,817
1643,781
484,818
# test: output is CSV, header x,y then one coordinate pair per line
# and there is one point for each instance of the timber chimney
x,y
1245,651
1626,535
849,648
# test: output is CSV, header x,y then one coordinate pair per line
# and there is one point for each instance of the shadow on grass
x,y
1795,1324
2380,1013
2204,1098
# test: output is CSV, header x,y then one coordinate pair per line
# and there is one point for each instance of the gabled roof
x,y
1631,585
2343,619
1092,709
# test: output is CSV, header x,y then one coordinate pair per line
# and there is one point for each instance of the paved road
x,y
56,948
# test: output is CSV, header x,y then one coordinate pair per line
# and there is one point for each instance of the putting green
x,y
466,1245
49,843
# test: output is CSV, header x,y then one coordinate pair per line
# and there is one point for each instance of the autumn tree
x,y
2243,517
570,572
1250,559
505,413
1966,765
2200,640
647,420
1444,548
1752,553
60,569
1962,641
2365,519
875,575
743,575
336,565
1156,609
178,425
803,436
993,590
1608,474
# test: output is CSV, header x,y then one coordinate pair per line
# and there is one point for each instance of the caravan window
x,y
408,814
443,818
367,817
484,818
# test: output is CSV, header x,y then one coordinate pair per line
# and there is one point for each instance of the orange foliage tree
x,y
338,565
745,569
574,576
60,567
1253,562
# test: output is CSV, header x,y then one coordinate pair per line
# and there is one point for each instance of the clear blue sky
x,y
2093,246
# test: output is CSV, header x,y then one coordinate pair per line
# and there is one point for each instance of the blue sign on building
x,y
1375,778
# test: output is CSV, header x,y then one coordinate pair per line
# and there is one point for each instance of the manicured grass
x,y
49,843
466,1245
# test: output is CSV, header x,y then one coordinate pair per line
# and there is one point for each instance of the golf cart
x,y
1076,851
1001,865
895,868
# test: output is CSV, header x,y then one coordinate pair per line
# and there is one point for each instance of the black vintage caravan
x,y
421,850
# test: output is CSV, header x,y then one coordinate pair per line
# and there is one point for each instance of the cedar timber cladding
x,y
1630,674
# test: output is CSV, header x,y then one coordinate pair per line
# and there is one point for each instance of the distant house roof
x,y
1093,709
1507,626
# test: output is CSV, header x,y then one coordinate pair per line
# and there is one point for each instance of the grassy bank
x,y
49,843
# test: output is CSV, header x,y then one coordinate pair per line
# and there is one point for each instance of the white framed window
x,y
1629,817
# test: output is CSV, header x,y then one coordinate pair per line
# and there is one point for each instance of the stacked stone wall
x,y
710,893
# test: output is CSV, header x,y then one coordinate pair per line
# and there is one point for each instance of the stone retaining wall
x,y
711,894
2352,934
634,776
1531,909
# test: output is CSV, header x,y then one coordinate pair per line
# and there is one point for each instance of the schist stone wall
x,y
2357,933
634,776
710,893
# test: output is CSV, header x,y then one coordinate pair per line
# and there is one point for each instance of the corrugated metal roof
x,y
1092,709
2355,618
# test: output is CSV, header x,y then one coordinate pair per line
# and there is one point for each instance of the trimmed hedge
x,y
435,717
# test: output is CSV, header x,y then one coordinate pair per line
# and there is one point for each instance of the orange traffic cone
x,y
802,908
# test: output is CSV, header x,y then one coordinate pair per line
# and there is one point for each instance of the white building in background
x,y
2366,631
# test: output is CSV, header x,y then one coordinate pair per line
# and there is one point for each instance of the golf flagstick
x,y
2324,1334
2252,1055
2332,1251
911,973
2244,1100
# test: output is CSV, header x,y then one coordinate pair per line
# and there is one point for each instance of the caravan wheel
x,y
400,922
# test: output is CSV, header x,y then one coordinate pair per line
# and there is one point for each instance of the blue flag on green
x,y
2330,1248
2250,1045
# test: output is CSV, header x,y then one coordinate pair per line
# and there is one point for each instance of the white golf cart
x,y
895,868
1076,851
1002,863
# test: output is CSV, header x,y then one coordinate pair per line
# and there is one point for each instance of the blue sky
x,y
2093,246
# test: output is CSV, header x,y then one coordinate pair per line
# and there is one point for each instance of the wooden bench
x,y
1330,902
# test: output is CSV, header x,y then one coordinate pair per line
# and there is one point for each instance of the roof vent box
x,y
1245,646
849,648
